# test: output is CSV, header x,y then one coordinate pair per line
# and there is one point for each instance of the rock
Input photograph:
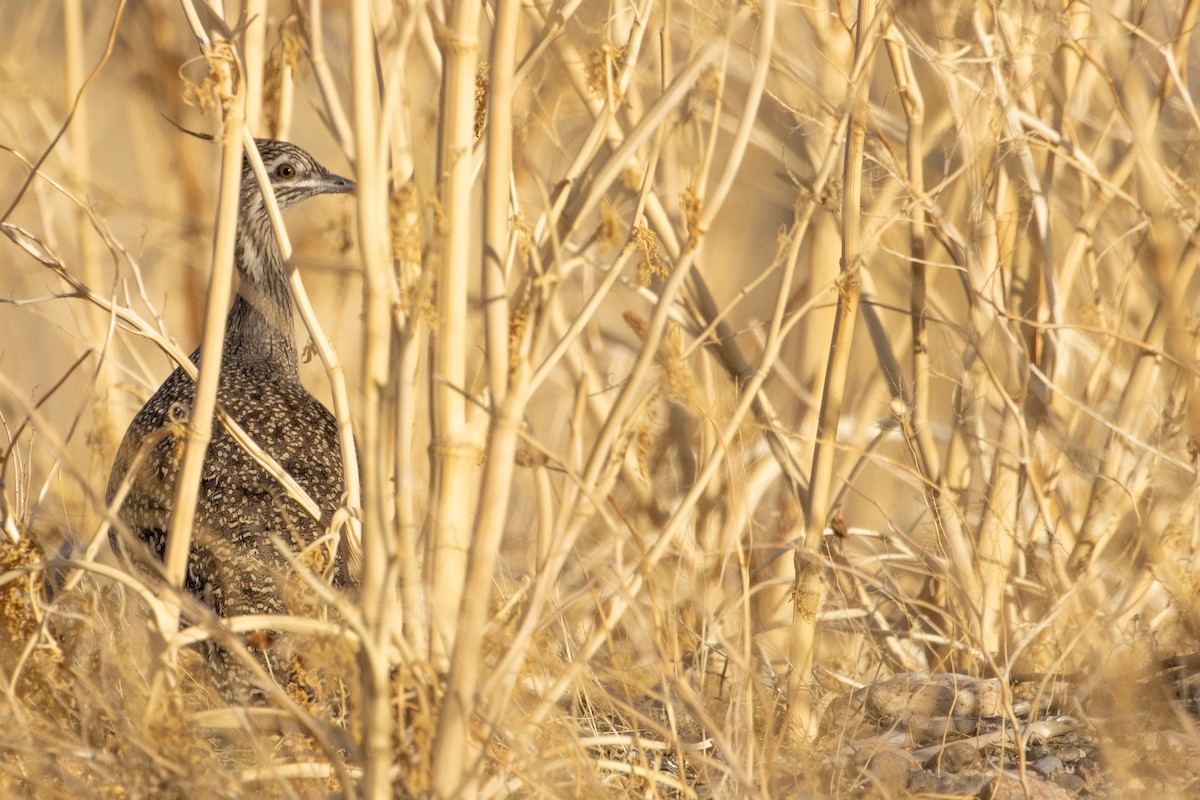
x,y
1048,765
1009,786
966,785
1072,783
1072,754
941,694
957,757
891,767
931,730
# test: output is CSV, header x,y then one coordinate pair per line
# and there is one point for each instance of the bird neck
x,y
258,330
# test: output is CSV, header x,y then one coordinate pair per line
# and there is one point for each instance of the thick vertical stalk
x,y
412,587
453,451
495,201
378,597
81,173
807,590
220,289
253,51
997,532
453,772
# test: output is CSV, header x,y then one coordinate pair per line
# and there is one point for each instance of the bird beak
x,y
338,184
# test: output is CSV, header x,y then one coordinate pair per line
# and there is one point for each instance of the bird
x,y
234,566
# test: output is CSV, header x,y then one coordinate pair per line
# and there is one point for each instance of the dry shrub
x,y
642,508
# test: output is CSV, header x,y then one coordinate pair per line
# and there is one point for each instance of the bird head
x,y
295,176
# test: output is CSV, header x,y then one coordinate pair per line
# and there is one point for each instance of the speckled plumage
x,y
233,566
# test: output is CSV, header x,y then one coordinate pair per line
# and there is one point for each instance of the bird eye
x,y
285,171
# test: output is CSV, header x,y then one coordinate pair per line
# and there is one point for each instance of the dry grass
x,y
706,362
